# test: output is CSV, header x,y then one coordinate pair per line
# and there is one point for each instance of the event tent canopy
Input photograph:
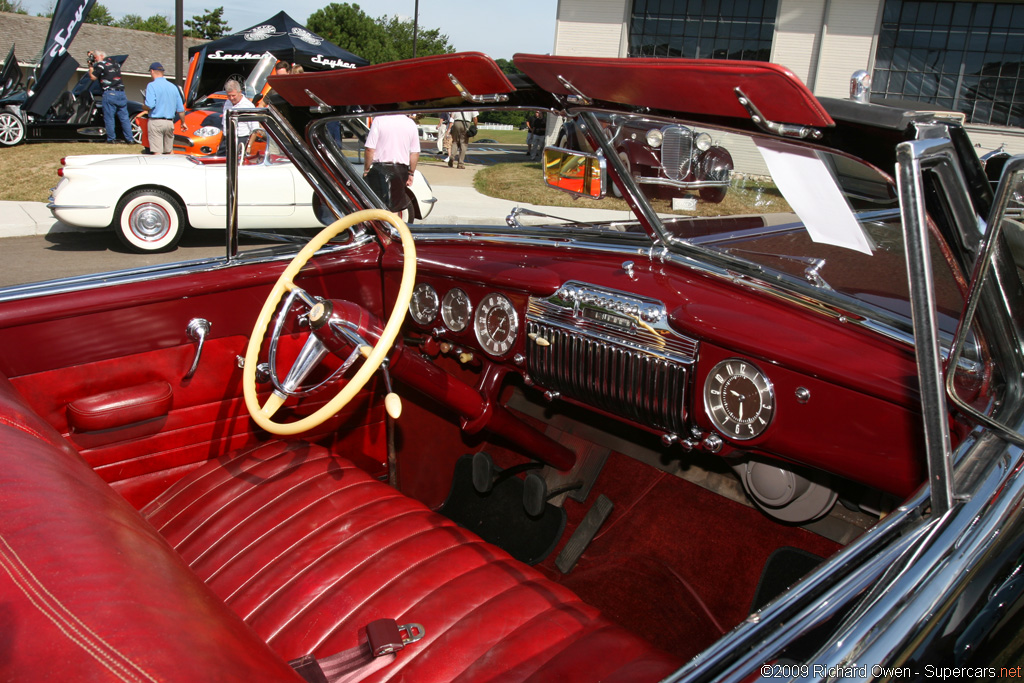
x,y
283,37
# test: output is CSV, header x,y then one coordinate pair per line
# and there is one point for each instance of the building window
x,y
703,29
964,56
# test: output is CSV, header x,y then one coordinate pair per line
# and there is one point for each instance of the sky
x,y
500,30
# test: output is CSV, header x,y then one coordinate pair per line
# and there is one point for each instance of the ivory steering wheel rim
x,y
263,415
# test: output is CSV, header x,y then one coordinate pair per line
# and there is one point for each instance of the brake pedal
x,y
584,534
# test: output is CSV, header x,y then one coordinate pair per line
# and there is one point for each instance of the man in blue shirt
x,y
163,102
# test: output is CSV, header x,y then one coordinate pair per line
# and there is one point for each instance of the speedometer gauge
x,y
456,309
496,324
424,304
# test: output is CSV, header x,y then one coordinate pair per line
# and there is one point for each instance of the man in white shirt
x,y
391,153
236,100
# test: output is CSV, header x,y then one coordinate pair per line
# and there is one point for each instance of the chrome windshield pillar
x,y
911,160
231,149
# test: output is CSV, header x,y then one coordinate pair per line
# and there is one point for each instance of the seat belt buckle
x,y
387,637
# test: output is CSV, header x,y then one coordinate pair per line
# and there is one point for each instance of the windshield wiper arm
x,y
512,220
812,273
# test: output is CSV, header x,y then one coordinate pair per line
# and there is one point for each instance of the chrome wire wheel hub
x,y
149,222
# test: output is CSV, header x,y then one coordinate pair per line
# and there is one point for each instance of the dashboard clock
x,y
739,398
456,309
424,304
496,324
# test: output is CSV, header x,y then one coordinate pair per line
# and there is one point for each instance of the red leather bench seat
x,y
308,549
93,593
292,551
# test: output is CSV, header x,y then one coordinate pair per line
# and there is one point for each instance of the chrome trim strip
x,y
645,180
240,204
51,206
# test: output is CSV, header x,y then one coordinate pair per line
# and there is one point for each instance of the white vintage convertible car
x,y
150,200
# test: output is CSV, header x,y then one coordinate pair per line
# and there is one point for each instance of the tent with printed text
x,y
283,37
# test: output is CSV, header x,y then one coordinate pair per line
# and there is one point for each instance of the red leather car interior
x,y
302,545
120,407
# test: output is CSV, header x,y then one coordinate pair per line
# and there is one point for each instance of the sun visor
x,y
704,87
409,80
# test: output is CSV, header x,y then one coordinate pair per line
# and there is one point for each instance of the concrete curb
x,y
22,219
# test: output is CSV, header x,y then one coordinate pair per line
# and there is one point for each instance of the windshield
x,y
797,217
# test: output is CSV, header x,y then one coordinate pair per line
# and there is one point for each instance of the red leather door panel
x,y
107,364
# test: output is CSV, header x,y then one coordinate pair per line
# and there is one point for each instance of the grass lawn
x,y
523,182
28,172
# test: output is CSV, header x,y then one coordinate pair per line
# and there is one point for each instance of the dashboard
x,y
698,362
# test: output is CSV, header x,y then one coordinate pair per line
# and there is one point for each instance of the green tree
x,y
99,14
13,6
155,24
349,27
507,67
428,41
384,39
210,26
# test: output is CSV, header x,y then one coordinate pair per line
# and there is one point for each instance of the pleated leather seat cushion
x,y
308,549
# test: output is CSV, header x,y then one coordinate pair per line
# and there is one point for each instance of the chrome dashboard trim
x,y
611,350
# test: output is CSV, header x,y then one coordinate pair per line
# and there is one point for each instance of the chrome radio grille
x,y
676,151
613,351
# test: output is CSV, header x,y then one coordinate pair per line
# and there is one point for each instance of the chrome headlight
x,y
207,132
654,137
703,142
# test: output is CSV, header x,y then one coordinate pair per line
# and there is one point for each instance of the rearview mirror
x,y
577,173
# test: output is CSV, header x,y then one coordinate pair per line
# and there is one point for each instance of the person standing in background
x,y
236,100
460,136
164,104
392,150
537,127
115,102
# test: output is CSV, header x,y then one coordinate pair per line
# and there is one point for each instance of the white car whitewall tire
x,y
149,220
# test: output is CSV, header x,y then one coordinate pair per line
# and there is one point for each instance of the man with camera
x,y
115,102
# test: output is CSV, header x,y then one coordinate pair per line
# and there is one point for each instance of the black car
x,y
75,115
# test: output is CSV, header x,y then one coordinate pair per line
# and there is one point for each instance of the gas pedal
x,y
584,534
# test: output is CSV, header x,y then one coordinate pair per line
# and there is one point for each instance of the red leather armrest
x,y
120,407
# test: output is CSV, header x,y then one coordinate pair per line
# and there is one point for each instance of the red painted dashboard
x,y
867,388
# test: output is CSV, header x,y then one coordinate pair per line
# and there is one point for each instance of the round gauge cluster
x,y
495,323
424,304
456,309
739,398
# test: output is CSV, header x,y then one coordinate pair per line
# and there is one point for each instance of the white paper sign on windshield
x,y
808,186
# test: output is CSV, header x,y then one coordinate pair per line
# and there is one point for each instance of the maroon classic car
x,y
588,438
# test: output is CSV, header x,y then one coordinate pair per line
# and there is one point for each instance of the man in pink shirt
x,y
392,151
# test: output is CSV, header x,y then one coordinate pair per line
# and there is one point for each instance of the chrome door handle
x,y
197,330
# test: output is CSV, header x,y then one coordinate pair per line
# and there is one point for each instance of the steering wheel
x,y
374,357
